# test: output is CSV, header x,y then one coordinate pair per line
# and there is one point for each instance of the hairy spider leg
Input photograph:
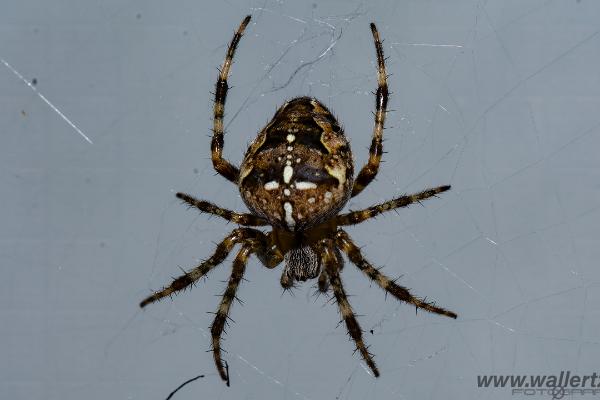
x,y
222,166
218,326
232,216
369,171
331,262
344,241
239,235
323,282
356,217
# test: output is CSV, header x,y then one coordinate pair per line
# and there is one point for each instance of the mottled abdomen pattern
x,y
299,170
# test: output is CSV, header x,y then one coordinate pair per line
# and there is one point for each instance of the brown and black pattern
x,y
240,235
222,166
323,282
318,153
296,177
356,217
331,263
218,326
210,208
345,243
369,171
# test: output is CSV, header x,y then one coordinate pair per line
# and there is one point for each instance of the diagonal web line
x,y
41,96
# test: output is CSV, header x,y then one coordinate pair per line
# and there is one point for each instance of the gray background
x,y
498,98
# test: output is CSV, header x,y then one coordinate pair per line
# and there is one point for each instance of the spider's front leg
x,y
239,235
331,262
344,241
323,282
218,325
270,256
222,166
369,171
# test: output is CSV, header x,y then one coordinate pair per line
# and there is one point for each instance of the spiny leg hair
x,y
218,326
323,282
239,235
356,217
222,166
369,171
330,262
344,241
232,216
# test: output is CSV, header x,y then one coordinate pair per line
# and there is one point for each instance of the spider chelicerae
x,y
296,177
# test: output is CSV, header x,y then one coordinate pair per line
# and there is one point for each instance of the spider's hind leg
x,y
222,166
330,262
369,171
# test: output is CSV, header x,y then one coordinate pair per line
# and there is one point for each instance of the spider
x,y
296,177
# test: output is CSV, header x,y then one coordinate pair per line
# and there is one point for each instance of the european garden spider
x,y
296,176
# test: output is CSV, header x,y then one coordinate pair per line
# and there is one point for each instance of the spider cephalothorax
x,y
296,176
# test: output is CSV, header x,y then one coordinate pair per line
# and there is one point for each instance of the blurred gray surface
x,y
498,98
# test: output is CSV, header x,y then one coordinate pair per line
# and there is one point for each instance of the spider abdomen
x,y
299,169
